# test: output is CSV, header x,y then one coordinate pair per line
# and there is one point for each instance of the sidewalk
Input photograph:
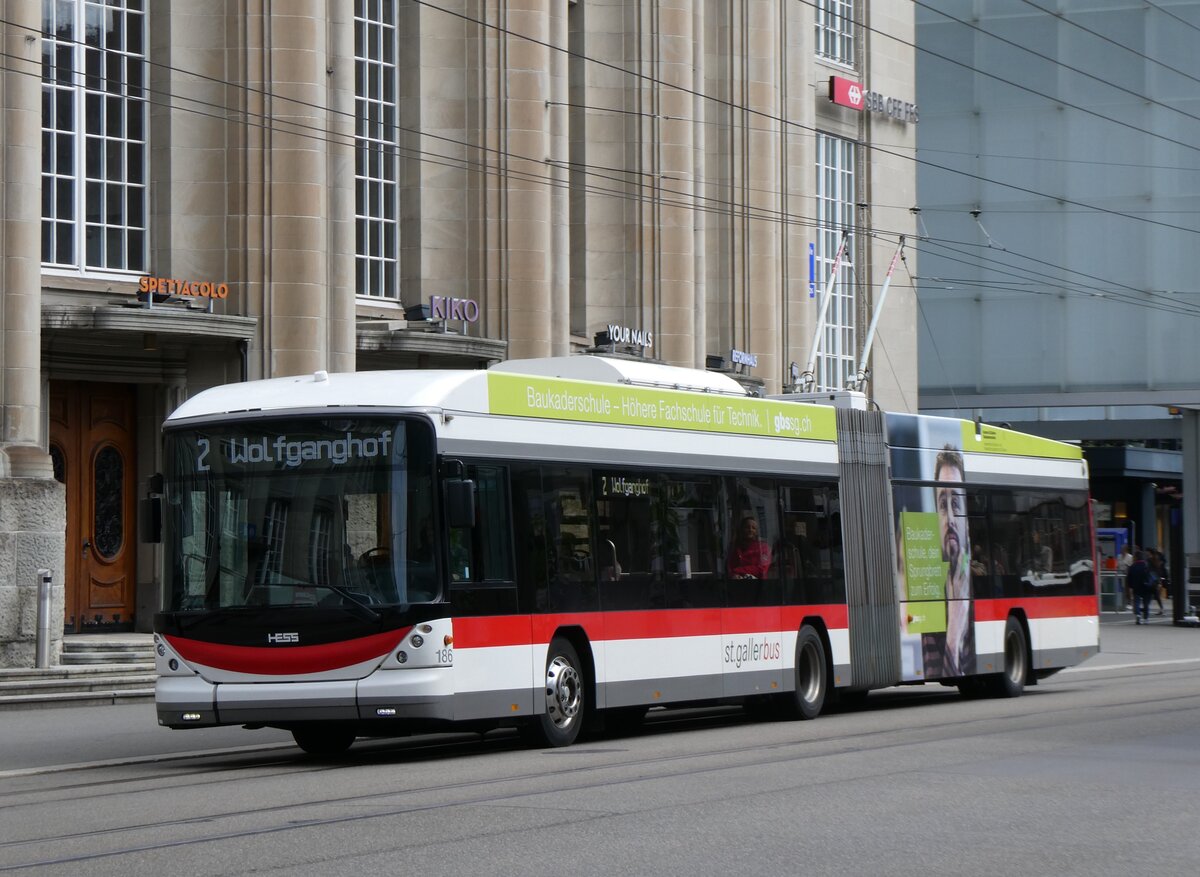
x,y
1124,643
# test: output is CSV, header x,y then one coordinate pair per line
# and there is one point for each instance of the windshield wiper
x,y
353,601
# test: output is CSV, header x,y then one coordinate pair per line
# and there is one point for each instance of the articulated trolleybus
x,y
569,541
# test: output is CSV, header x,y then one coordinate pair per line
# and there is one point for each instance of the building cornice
x,y
160,320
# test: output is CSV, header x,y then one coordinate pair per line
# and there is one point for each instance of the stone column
x,y
298,170
603,192
557,155
32,511
523,89
20,245
763,293
675,264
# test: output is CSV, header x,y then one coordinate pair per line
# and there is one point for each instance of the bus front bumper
x,y
385,696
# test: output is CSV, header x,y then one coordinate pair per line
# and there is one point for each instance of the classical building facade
x,y
198,193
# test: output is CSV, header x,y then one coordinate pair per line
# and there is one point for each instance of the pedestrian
x,y
1137,580
1158,568
1123,564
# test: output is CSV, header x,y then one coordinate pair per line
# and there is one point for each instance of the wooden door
x,y
92,445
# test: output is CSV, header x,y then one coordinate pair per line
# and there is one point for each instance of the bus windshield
x,y
301,512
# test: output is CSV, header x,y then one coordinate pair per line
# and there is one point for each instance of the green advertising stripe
x,y
556,399
924,568
997,440
925,617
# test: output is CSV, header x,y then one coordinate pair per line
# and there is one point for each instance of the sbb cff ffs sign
x,y
846,92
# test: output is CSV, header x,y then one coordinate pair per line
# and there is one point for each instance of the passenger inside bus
x,y
749,556
1042,557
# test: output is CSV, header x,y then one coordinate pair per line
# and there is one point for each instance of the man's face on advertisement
x,y
952,513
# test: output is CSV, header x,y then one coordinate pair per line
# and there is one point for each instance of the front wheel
x,y
566,698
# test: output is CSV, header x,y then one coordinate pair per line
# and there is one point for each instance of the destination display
x,y
613,484
291,450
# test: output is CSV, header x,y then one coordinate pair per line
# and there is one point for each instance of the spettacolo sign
x,y
557,399
175,286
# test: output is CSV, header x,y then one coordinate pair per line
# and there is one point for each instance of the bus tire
x,y
812,676
566,698
1011,681
323,740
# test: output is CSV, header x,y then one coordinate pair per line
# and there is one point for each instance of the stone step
x,y
46,700
107,656
86,685
83,649
81,672
108,682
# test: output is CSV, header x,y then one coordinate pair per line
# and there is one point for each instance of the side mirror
x,y
150,519
460,503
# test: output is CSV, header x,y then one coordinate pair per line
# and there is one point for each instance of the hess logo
x,y
275,638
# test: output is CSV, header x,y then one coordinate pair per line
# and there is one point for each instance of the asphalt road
x,y
1096,771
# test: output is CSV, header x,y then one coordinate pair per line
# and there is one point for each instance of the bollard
x,y
45,605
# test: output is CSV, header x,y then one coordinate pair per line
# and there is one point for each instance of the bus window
x,y
479,558
754,553
984,565
529,537
567,495
693,554
1045,543
483,553
810,562
628,548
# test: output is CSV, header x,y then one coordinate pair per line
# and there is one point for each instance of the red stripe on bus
x,y
1037,607
521,630
286,660
835,615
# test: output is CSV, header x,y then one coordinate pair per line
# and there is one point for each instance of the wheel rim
x,y
564,692
810,674
1014,658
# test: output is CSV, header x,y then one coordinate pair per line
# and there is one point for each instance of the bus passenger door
x,y
754,647
493,644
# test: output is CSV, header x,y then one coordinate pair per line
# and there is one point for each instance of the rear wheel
x,y
323,740
1011,682
566,699
812,677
